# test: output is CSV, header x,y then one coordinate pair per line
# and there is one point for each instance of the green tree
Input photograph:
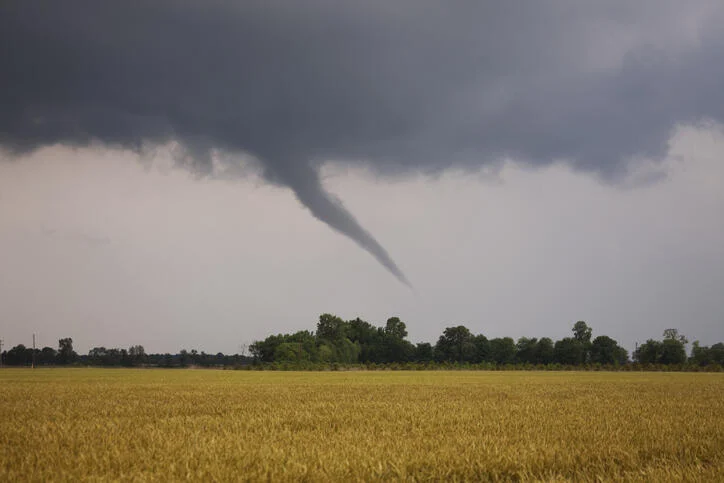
x,y
526,350
649,352
605,350
96,356
456,344
306,342
332,333
482,349
716,353
545,352
291,352
569,351
361,331
672,352
368,337
702,355
126,361
582,332
346,351
392,349
395,328
391,343
331,328
326,352
502,350
100,356
137,354
18,356
673,347
621,355
47,356
264,350
185,358
66,354
423,352
673,334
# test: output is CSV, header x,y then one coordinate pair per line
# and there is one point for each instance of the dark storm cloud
x,y
406,86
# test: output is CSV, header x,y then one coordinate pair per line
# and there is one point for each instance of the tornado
x,y
303,179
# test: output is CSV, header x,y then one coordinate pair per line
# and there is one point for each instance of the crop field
x,y
118,424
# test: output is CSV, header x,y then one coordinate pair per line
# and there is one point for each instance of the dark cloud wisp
x,y
399,86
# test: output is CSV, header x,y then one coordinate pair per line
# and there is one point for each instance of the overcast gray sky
x,y
97,247
520,165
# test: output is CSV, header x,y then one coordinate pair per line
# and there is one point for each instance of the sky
x,y
180,177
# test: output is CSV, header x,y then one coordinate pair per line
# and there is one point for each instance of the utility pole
x,y
33,366
1,352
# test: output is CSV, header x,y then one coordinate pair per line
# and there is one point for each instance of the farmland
x,y
131,424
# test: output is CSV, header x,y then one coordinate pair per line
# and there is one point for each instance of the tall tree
x,y
66,354
605,350
367,336
526,350
673,334
649,352
263,350
502,350
137,354
18,356
672,352
395,328
361,331
393,346
545,352
673,347
456,344
699,354
482,349
582,332
569,351
291,351
716,353
48,356
423,352
331,328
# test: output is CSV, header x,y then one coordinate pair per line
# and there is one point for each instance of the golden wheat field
x,y
117,424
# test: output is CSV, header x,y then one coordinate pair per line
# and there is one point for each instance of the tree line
x,y
356,341
134,356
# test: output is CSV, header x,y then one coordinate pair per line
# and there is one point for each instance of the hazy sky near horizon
x,y
510,169
112,252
